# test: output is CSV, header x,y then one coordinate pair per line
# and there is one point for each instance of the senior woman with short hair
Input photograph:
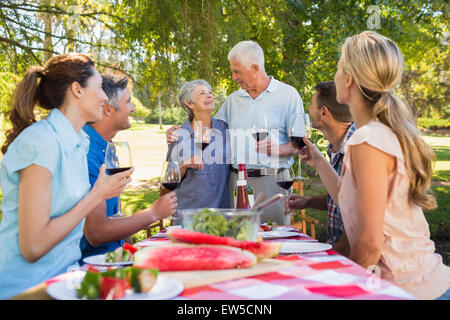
x,y
201,151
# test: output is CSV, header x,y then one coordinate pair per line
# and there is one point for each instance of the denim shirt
x,y
207,187
96,157
55,145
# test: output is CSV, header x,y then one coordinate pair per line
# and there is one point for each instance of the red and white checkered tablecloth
x,y
314,276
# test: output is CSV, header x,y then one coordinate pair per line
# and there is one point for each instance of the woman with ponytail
x,y
386,175
44,174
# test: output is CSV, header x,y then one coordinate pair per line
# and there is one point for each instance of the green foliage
x,y
8,82
439,218
161,44
140,111
433,123
172,115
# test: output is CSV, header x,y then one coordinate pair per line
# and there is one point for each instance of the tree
x,y
162,44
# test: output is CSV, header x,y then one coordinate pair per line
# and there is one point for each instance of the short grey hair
x,y
187,94
113,87
248,53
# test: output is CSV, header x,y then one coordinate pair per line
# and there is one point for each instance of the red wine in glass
x,y
284,177
260,135
117,170
170,175
286,185
117,159
297,142
202,145
170,185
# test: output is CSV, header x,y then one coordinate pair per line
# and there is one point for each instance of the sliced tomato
x,y
113,288
130,248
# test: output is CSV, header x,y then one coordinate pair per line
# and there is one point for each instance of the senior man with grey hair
x,y
102,232
260,96
201,151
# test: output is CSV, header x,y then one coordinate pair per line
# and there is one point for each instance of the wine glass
x,y
284,177
260,128
117,159
170,175
202,136
171,179
299,127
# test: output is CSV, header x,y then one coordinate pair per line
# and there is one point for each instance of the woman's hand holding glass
x,y
110,186
310,154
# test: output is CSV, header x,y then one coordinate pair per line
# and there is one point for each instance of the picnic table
x,y
309,276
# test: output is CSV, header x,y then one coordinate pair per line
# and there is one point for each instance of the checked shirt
x,y
335,223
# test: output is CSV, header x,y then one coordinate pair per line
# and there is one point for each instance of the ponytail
x,y
46,86
418,155
23,101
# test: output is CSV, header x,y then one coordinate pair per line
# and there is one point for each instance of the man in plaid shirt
x,y
335,224
335,122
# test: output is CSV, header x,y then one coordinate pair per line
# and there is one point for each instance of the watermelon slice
x,y
260,249
183,257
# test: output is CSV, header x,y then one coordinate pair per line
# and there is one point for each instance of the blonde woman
x,y
385,179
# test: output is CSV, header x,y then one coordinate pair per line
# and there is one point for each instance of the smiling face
x,y
125,108
203,100
245,77
92,98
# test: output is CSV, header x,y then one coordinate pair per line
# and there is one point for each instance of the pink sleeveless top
x,y
407,258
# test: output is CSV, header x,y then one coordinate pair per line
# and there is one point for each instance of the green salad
x,y
239,227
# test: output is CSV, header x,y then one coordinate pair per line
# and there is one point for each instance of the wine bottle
x,y
243,193
251,198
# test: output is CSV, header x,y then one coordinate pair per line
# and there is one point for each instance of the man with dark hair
x,y
335,122
103,233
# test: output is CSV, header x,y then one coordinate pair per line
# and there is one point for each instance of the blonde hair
x,y
376,64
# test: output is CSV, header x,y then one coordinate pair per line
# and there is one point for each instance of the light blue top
x,y
55,145
278,102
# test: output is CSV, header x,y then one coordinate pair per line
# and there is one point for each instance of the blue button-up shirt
x,y
278,103
55,145
207,187
96,157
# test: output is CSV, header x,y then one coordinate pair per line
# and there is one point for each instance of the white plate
x,y
173,227
148,243
275,234
304,247
99,260
160,235
164,288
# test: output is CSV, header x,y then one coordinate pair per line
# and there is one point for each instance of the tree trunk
x,y
160,112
